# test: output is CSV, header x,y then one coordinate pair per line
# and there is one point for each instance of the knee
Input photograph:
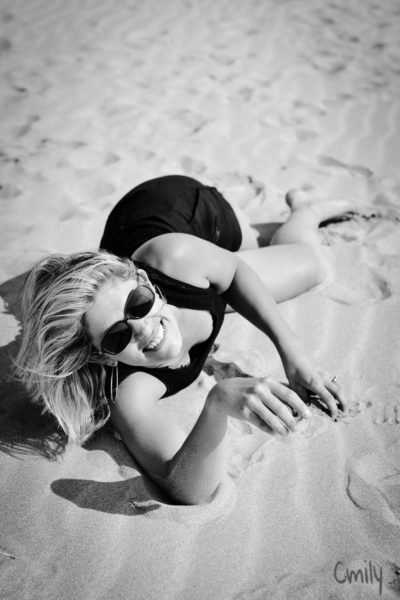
x,y
314,271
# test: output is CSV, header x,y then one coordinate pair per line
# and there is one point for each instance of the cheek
x,y
129,353
173,334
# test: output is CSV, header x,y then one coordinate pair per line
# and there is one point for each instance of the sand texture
x,y
255,97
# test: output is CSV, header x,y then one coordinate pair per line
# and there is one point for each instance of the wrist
x,y
287,344
212,404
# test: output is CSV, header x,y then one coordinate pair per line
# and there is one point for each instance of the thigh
x,y
215,221
287,270
155,207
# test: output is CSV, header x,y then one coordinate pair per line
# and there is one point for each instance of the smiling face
x,y
156,339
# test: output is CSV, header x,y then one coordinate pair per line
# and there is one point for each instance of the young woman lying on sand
x,y
106,336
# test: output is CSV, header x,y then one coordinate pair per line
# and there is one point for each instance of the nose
x,y
141,329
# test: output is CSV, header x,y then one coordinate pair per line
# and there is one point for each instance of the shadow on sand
x,y
23,428
131,497
26,431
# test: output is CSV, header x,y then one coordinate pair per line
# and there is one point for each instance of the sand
x,y
256,97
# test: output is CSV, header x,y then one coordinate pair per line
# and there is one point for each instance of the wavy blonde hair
x,y
56,361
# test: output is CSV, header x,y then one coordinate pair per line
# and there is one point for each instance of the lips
x,y
156,339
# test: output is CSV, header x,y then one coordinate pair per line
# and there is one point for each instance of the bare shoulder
x,y
189,258
152,437
176,255
136,393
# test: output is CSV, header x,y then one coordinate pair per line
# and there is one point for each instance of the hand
x,y
305,376
265,403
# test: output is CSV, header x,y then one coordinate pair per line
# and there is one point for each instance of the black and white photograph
x,y
200,300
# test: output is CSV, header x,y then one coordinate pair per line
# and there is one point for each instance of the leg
x,y
287,270
292,264
306,214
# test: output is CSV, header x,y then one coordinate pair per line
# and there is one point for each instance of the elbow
x,y
198,498
190,495
186,488
193,499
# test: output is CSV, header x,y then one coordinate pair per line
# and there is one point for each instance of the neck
x,y
192,331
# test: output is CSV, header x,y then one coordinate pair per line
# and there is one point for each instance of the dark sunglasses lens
x,y
140,302
116,339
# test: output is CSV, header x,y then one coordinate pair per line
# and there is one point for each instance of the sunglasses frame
x,y
127,317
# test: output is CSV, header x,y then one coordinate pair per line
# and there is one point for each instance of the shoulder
x,y
149,433
189,259
137,392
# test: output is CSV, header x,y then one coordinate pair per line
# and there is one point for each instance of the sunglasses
x,y
138,304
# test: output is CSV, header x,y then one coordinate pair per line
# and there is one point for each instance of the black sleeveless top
x,y
182,295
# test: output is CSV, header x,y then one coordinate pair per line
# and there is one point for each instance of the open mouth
x,y
156,339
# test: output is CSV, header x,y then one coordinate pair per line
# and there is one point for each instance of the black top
x,y
182,295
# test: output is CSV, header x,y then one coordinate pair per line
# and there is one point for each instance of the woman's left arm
x,y
251,298
199,262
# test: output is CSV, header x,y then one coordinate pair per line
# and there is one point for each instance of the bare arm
x,y
199,262
189,467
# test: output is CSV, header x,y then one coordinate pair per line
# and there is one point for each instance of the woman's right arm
x,y
189,467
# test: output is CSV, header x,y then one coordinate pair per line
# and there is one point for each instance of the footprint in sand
x,y
314,426
6,555
373,484
9,191
247,450
371,287
192,166
379,413
5,45
387,415
305,134
362,263
241,189
329,161
185,121
89,158
359,276
25,129
320,419
99,191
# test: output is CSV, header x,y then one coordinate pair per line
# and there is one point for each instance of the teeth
x,y
157,340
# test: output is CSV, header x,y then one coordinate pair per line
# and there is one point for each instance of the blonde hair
x,y
56,361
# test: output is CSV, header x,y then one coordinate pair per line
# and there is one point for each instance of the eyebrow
x,y
96,340
118,320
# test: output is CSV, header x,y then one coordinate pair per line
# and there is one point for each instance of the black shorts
x,y
170,204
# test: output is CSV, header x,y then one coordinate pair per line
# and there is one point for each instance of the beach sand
x,y
255,97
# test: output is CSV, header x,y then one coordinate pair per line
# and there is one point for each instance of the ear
x,y
109,362
102,359
142,276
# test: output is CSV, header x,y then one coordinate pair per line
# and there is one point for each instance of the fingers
x,y
280,421
272,425
336,390
290,397
330,392
270,405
